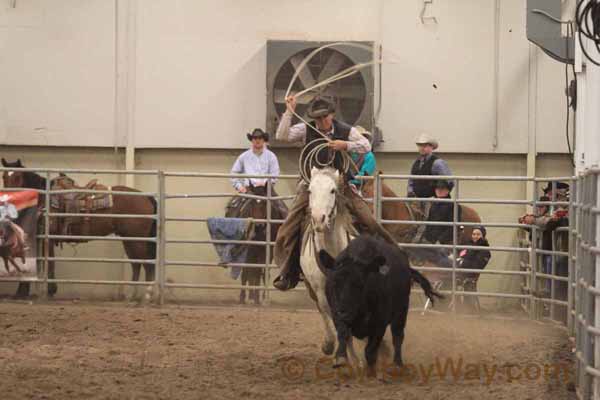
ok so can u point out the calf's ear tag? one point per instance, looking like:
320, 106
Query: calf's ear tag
384, 269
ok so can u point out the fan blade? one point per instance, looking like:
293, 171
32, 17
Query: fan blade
305, 76
278, 97
333, 66
345, 92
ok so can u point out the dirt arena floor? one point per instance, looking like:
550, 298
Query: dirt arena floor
68, 350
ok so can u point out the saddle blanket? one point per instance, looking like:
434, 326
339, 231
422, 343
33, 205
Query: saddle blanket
230, 229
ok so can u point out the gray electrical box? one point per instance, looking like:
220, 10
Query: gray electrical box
546, 32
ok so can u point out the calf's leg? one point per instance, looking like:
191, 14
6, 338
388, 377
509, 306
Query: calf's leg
398, 325
343, 336
373, 347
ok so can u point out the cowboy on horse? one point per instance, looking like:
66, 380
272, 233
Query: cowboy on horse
258, 160
341, 137
12, 237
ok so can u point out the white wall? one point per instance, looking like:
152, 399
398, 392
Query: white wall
198, 71
57, 72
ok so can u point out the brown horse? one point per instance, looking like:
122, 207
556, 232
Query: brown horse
124, 227
257, 254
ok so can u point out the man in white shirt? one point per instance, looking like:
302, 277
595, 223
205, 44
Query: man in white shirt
343, 138
258, 160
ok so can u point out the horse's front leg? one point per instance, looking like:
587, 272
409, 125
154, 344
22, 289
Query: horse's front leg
135, 277
52, 287
329, 341
14, 263
244, 281
323, 306
6, 264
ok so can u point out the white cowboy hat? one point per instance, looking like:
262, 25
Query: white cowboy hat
426, 139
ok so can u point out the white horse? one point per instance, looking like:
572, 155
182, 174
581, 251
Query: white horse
330, 229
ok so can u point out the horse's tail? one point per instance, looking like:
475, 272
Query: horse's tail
425, 285
152, 245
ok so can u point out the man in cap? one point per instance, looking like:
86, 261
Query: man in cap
426, 164
554, 191
343, 138
441, 212
258, 160
548, 219
557, 191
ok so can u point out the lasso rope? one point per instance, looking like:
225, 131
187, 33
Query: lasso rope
311, 158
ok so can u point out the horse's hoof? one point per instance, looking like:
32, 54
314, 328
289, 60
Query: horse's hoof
327, 348
340, 362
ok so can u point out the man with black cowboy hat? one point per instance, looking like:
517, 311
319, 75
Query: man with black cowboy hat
258, 160
343, 138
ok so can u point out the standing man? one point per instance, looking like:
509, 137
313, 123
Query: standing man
426, 164
258, 160
343, 138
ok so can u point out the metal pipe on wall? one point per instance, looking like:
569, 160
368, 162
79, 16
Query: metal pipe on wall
125, 81
496, 74
532, 123
131, 90
124, 107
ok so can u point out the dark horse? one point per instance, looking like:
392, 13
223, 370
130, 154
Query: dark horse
257, 254
121, 204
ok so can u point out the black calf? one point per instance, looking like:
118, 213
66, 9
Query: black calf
368, 288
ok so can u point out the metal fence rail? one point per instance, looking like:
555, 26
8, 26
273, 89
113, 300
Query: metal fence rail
162, 219
585, 278
162, 262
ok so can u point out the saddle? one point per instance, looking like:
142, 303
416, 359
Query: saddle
78, 203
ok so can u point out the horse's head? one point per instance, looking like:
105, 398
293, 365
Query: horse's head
256, 209
323, 188
13, 179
